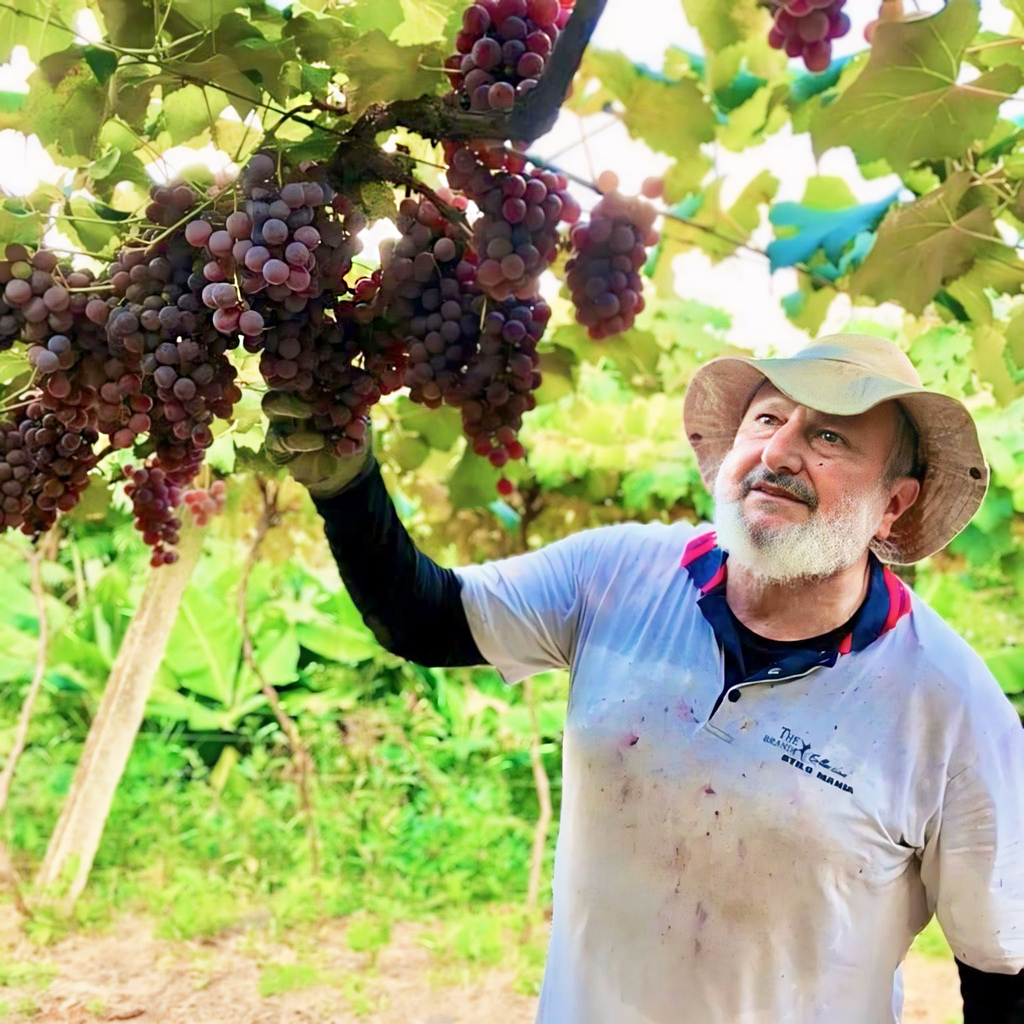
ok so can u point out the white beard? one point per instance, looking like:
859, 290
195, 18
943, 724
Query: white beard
816, 549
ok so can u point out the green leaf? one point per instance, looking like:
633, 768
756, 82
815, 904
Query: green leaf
205, 660
716, 231
988, 358
319, 37
722, 24
220, 76
18, 223
204, 14
129, 22
408, 451
829, 230
473, 481
66, 106
380, 70
186, 113
376, 199
98, 227
672, 117
440, 428
39, 37
907, 105
808, 306
102, 62
262, 60
996, 268
556, 368
748, 124
425, 21
931, 242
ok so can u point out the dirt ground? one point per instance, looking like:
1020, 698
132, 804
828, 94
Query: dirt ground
130, 975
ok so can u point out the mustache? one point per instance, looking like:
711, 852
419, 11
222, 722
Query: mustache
788, 484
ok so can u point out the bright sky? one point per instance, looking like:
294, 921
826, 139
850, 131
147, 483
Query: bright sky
742, 285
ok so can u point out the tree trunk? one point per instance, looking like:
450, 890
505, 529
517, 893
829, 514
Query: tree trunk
76, 838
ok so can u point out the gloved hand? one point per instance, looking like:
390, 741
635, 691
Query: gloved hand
291, 442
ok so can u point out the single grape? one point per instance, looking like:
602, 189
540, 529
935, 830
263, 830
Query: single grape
197, 233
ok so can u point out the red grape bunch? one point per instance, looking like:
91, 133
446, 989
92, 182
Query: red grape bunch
503, 49
156, 494
516, 236
430, 300
806, 28
204, 503
44, 467
604, 272
500, 380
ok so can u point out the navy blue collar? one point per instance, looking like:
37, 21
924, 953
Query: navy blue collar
887, 600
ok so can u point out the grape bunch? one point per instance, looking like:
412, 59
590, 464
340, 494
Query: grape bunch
503, 48
806, 28
516, 236
500, 379
289, 245
430, 300
44, 467
156, 494
206, 502
603, 274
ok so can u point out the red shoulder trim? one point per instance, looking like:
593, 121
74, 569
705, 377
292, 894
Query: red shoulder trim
700, 545
847, 645
714, 581
899, 599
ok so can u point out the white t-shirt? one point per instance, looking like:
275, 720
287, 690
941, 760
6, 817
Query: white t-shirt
770, 865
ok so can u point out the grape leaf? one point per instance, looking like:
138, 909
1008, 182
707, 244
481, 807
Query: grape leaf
472, 483
996, 267
128, 22
761, 115
923, 245
988, 358
722, 24
825, 192
204, 14
380, 70
42, 31
830, 230
720, 232
672, 117
319, 36
906, 105
66, 106
186, 111
19, 224
440, 428
219, 74
425, 21
807, 307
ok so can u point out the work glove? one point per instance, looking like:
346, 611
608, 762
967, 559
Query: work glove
293, 443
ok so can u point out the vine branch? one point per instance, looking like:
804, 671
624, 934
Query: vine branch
432, 118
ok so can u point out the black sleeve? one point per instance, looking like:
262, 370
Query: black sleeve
413, 606
991, 998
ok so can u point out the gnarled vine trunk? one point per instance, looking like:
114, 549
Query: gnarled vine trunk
77, 835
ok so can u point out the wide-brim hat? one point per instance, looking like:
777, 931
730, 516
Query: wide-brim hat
844, 375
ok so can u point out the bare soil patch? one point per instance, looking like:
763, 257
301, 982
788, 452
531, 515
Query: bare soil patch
129, 974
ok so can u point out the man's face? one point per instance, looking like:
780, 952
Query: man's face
801, 493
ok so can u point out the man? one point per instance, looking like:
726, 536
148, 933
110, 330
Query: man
778, 762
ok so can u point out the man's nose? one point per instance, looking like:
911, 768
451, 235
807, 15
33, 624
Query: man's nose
784, 451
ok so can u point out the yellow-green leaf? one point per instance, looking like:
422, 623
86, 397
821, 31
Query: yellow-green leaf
907, 105
380, 70
923, 245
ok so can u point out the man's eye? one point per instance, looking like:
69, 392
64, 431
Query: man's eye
831, 437
764, 417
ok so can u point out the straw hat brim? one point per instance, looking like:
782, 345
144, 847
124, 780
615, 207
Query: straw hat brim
955, 475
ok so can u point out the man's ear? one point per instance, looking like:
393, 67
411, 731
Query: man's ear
903, 494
